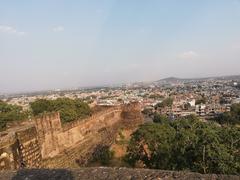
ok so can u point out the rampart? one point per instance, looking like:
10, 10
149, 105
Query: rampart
20, 148
46, 137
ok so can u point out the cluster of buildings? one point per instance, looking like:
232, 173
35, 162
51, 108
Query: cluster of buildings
203, 98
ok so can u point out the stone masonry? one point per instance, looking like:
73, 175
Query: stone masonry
45, 137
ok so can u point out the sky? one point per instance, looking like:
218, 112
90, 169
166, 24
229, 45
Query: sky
52, 44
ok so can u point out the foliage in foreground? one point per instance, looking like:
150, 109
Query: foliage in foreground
10, 113
69, 109
186, 144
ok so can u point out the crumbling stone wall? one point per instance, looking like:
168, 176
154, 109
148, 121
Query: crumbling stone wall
20, 149
55, 137
45, 137
131, 114
29, 148
48, 127
9, 157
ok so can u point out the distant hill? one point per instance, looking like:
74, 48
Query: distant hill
175, 80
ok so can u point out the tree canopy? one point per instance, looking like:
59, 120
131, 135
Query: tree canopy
69, 109
9, 113
165, 103
160, 118
186, 144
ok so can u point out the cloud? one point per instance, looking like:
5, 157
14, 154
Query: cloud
10, 30
188, 55
58, 29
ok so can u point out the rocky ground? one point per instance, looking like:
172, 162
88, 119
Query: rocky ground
101, 173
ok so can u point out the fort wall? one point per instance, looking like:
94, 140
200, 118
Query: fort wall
55, 140
28, 148
9, 158
20, 148
45, 137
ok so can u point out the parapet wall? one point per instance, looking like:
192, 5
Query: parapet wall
109, 174
45, 137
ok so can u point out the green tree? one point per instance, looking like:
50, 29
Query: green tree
69, 109
232, 117
41, 105
151, 144
186, 144
168, 102
230, 136
211, 155
10, 113
159, 118
82, 109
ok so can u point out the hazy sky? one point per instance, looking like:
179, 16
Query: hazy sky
47, 44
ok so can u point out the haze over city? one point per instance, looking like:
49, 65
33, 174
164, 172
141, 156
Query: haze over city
120, 89
63, 44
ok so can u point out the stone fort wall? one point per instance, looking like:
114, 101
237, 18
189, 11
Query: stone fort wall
55, 137
20, 149
46, 137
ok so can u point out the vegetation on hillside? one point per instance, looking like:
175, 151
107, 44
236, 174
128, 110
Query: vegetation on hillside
10, 113
69, 109
187, 144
